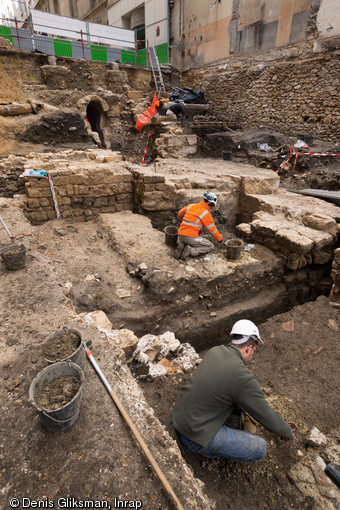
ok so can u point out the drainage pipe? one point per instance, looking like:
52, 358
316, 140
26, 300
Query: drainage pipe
135, 432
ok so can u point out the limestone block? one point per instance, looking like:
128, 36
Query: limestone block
185, 151
77, 179
265, 228
252, 185
55, 76
169, 367
70, 191
294, 241
337, 255
316, 438
244, 230
45, 202
335, 276
322, 222
191, 139
169, 343
100, 319
100, 202
175, 141
149, 345
249, 204
40, 216
32, 192
296, 261
322, 256
320, 239
33, 203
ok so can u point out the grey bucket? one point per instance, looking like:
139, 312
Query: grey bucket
171, 234
78, 356
64, 417
234, 247
14, 256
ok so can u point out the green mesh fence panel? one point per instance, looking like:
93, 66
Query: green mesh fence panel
62, 48
5, 32
99, 53
142, 60
162, 52
128, 57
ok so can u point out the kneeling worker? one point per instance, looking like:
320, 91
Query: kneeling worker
194, 217
221, 384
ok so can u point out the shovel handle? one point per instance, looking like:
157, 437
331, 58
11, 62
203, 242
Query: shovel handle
8, 232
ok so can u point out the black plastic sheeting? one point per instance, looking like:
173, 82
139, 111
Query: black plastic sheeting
187, 95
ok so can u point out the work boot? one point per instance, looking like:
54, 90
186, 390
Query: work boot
179, 250
186, 252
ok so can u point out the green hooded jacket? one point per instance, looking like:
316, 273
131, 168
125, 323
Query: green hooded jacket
220, 382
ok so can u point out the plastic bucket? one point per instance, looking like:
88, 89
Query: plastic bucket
14, 256
234, 247
171, 234
227, 155
64, 417
78, 356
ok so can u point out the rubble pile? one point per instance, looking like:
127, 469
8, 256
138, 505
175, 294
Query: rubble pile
153, 356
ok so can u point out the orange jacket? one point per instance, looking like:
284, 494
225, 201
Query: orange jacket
194, 217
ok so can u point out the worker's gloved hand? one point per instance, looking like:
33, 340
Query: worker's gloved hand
221, 241
248, 425
293, 427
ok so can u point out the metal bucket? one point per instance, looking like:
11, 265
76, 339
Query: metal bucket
234, 247
227, 155
78, 356
64, 417
171, 234
14, 256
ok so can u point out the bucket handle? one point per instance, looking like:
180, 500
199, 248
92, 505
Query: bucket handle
59, 421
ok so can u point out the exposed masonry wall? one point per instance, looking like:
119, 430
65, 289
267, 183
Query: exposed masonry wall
292, 91
335, 294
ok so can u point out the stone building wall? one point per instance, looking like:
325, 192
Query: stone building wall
291, 91
335, 294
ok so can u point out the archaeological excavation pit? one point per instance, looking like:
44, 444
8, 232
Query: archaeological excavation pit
107, 255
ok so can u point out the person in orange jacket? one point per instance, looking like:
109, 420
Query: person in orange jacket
194, 217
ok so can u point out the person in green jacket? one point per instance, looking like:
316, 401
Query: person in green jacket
221, 384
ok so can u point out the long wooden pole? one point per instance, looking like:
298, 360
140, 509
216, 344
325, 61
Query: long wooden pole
135, 432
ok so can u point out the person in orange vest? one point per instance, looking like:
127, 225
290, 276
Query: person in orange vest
194, 217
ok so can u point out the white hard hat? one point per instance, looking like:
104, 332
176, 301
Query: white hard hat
210, 198
247, 329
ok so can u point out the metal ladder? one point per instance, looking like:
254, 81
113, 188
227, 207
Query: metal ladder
156, 71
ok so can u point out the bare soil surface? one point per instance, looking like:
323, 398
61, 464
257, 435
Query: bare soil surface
97, 458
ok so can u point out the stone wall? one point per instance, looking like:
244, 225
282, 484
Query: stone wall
83, 189
291, 91
335, 294
10, 181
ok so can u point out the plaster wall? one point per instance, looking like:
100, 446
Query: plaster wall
328, 19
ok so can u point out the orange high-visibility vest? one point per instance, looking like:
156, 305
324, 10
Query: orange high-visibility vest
194, 217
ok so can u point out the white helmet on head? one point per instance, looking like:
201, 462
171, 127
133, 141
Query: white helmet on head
246, 329
210, 198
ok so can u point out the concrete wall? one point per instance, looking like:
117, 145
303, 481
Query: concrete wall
203, 31
155, 13
328, 19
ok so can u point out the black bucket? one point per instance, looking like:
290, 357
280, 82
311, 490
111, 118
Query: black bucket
234, 247
64, 417
309, 139
227, 155
171, 234
14, 256
78, 356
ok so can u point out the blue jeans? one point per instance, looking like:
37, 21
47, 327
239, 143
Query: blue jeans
231, 443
